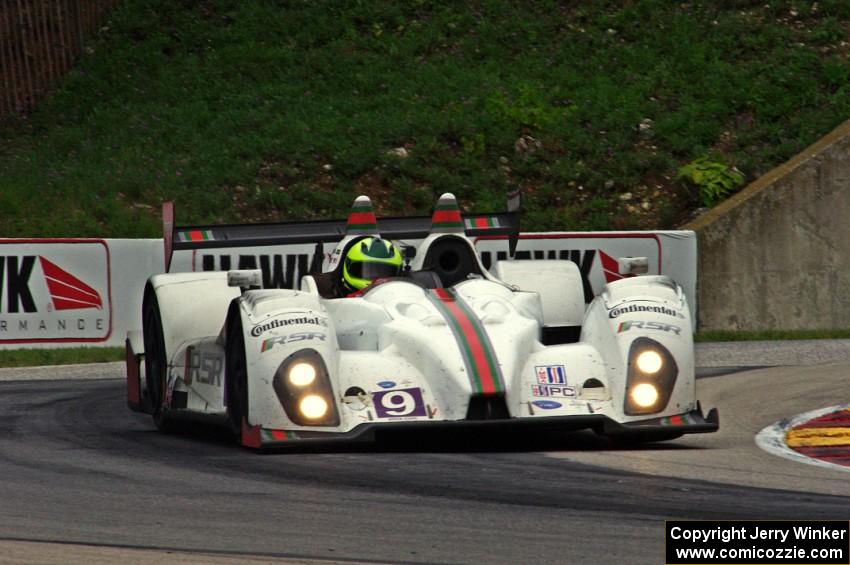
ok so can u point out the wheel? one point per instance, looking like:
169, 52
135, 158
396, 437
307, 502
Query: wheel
155, 362
235, 373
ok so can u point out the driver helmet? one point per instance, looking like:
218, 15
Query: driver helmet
369, 259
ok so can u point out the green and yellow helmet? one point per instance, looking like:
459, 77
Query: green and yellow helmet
369, 259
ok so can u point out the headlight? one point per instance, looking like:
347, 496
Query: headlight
649, 362
313, 406
651, 377
303, 387
302, 374
644, 395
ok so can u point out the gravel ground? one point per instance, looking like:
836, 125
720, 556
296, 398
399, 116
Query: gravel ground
773, 353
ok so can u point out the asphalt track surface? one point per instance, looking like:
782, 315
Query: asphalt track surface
82, 472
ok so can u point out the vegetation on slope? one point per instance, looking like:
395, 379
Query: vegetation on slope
245, 111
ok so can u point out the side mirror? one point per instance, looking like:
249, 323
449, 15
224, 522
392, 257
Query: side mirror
246, 279
408, 252
633, 265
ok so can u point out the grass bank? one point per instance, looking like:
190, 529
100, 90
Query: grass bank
770, 335
265, 110
37, 357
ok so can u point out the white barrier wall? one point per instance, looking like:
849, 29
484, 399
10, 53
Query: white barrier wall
72, 292
88, 292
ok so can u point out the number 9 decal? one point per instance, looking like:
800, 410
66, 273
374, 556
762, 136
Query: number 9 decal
399, 403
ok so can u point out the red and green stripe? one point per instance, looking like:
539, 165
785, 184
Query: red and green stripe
446, 217
479, 357
446, 214
678, 420
195, 235
276, 435
482, 222
362, 218
257, 437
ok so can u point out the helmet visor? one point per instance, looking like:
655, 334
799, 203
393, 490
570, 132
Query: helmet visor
372, 271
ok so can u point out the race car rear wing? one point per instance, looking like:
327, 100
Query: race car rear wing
178, 238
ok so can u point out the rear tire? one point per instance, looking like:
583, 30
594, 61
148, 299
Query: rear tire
235, 372
155, 362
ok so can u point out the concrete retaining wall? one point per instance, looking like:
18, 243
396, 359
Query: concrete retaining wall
777, 254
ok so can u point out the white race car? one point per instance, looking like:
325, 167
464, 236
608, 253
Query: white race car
447, 343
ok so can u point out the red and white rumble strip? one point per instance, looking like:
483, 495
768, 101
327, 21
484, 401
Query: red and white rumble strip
816, 438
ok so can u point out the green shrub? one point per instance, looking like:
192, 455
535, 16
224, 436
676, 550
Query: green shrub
714, 179
527, 107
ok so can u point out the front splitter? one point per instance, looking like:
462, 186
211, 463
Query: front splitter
668, 427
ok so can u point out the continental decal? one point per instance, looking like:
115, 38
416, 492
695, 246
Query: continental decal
637, 308
259, 330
